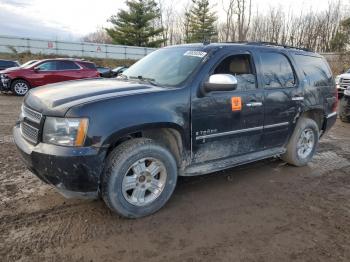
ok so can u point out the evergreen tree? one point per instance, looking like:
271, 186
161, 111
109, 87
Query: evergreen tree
341, 40
201, 22
137, 26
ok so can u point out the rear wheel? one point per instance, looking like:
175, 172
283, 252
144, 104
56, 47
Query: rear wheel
20, 87
139, 178
303, 143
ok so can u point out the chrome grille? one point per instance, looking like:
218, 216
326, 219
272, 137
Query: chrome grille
344, 82
31, 114
29, 132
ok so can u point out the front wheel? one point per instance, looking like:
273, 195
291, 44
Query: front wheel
139, 178
20, 87
303, 143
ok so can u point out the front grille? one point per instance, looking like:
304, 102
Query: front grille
29, 132
31, 114
30, 124
344, 82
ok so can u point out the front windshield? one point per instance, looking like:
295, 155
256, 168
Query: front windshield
168, 66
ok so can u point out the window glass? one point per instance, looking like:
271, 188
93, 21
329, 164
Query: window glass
88, 65
167, 66
277, 71
239, 66
315, 70
8, 64
48, 66
67, 65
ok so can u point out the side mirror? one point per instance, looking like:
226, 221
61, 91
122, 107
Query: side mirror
36, 69
220, 82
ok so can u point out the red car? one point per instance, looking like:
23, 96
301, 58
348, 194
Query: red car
19, 80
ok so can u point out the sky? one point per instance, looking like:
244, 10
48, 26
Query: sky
72, 19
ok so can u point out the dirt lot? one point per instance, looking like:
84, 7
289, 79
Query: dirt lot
267, 211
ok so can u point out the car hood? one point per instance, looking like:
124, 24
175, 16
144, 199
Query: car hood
346, 75
56, 99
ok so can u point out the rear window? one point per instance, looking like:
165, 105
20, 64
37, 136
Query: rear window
315, 69
67, 65
277, 71
88, 65
8, 64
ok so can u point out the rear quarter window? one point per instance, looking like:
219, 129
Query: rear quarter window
88, 65
315, 70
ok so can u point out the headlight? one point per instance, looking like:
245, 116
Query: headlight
65, 131
337, 80
347, 91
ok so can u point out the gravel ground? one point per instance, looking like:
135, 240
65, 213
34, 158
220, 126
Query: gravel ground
266, 211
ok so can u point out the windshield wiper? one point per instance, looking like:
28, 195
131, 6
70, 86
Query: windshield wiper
145, 79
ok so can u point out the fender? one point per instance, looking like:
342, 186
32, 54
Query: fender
111, 119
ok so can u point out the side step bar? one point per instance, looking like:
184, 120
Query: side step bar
217, 165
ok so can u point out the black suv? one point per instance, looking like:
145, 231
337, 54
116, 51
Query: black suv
180, 111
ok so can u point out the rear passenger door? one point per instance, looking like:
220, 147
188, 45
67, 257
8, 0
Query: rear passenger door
68, 70
283, 96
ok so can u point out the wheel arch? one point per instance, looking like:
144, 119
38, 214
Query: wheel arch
171, 135
316, 114
20, 78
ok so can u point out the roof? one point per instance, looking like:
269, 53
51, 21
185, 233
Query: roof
256, 45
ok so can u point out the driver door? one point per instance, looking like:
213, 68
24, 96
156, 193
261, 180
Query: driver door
46, 73
221, 127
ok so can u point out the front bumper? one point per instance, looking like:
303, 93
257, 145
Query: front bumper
75, 172
4, 83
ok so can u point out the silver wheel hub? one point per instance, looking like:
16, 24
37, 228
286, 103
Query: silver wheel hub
144, 181
21, 88
306, 143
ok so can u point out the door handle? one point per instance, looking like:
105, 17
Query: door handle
254, 104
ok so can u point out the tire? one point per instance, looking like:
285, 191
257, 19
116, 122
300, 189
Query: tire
343, 114
119, 175
20, 87
294, 155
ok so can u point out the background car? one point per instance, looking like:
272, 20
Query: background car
19, 80
344, 106
118, 70
28, 63
4, 64
343, 82
104, 71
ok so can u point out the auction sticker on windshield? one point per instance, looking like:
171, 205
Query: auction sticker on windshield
195, 53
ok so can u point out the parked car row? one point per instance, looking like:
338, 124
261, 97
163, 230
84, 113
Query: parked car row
18, 79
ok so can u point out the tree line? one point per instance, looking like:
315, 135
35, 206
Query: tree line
151, 23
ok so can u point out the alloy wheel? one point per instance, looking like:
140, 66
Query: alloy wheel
306, 143
144, 181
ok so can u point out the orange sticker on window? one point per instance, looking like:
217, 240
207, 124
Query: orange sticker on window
236, 103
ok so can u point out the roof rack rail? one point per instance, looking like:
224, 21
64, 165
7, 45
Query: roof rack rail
262, 43
280, 45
